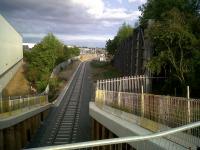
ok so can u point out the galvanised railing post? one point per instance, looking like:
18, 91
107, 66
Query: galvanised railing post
28, 102
9, 106
142, 101
21, 103
188, 104
1, 105
104, 92
119, 93
97, 91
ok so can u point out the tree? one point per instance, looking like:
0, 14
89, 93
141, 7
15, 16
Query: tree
111, 46
43, 57
174, 46
155, 9
123, 33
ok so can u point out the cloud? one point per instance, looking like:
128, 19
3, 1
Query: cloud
72, 37
120, 1
83, 19
98, 10
137, 1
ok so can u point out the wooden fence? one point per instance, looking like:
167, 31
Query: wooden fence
133, 53
11, 107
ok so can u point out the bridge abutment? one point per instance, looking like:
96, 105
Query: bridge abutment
17, 132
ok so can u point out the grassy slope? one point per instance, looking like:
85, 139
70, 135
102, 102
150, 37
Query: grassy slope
18, 85
103, 70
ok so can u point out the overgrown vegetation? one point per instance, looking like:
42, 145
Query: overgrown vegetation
176, 41
175, 35
124, 32
103, 70
43, 57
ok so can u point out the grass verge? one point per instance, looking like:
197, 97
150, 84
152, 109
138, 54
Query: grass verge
58, 82
103, 70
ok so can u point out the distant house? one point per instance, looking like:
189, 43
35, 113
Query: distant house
28, 46
11, 52
102, 57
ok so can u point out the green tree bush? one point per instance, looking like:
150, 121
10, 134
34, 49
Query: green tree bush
43, 57
124, 32
176, 41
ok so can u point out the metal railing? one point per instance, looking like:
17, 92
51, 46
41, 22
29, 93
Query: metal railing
153, 112
10, 107
138, 142
131, 84
166, 110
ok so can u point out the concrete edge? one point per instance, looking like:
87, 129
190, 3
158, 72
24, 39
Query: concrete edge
62, 94
8, 122
125, 127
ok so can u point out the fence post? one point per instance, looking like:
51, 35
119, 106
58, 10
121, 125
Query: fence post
113, 88
9, 105
104, 91
119, 93
20, 102
28, 102
133, 84
188, 103
1, 93
130, 86
142, 101
96, 93
147, 82
137, 84
1, 105
188, 92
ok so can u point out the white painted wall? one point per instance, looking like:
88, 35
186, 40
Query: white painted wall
10, 46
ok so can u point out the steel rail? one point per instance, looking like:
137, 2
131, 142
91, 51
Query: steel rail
65, 106
119, 140
78, 105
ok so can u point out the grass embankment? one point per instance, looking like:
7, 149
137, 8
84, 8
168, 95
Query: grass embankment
59, 81
103, 70
100, 71
18, 85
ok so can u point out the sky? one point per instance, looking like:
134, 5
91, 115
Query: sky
75, 22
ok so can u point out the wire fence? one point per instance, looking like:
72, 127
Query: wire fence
154, 112
9, 107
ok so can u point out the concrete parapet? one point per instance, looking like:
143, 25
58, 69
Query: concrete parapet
122, 125
16, 132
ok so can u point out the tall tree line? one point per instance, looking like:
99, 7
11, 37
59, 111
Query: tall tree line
43, 57
175, 35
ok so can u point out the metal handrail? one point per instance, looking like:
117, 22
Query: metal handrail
119, 140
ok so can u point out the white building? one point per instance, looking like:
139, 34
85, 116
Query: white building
11, 52
102, 57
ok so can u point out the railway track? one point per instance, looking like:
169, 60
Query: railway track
65, 129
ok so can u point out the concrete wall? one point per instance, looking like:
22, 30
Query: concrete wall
11, 51
124, 124
16, 132
10, 46
6, 77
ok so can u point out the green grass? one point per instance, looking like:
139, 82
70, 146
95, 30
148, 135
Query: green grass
104, 70
98, 64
